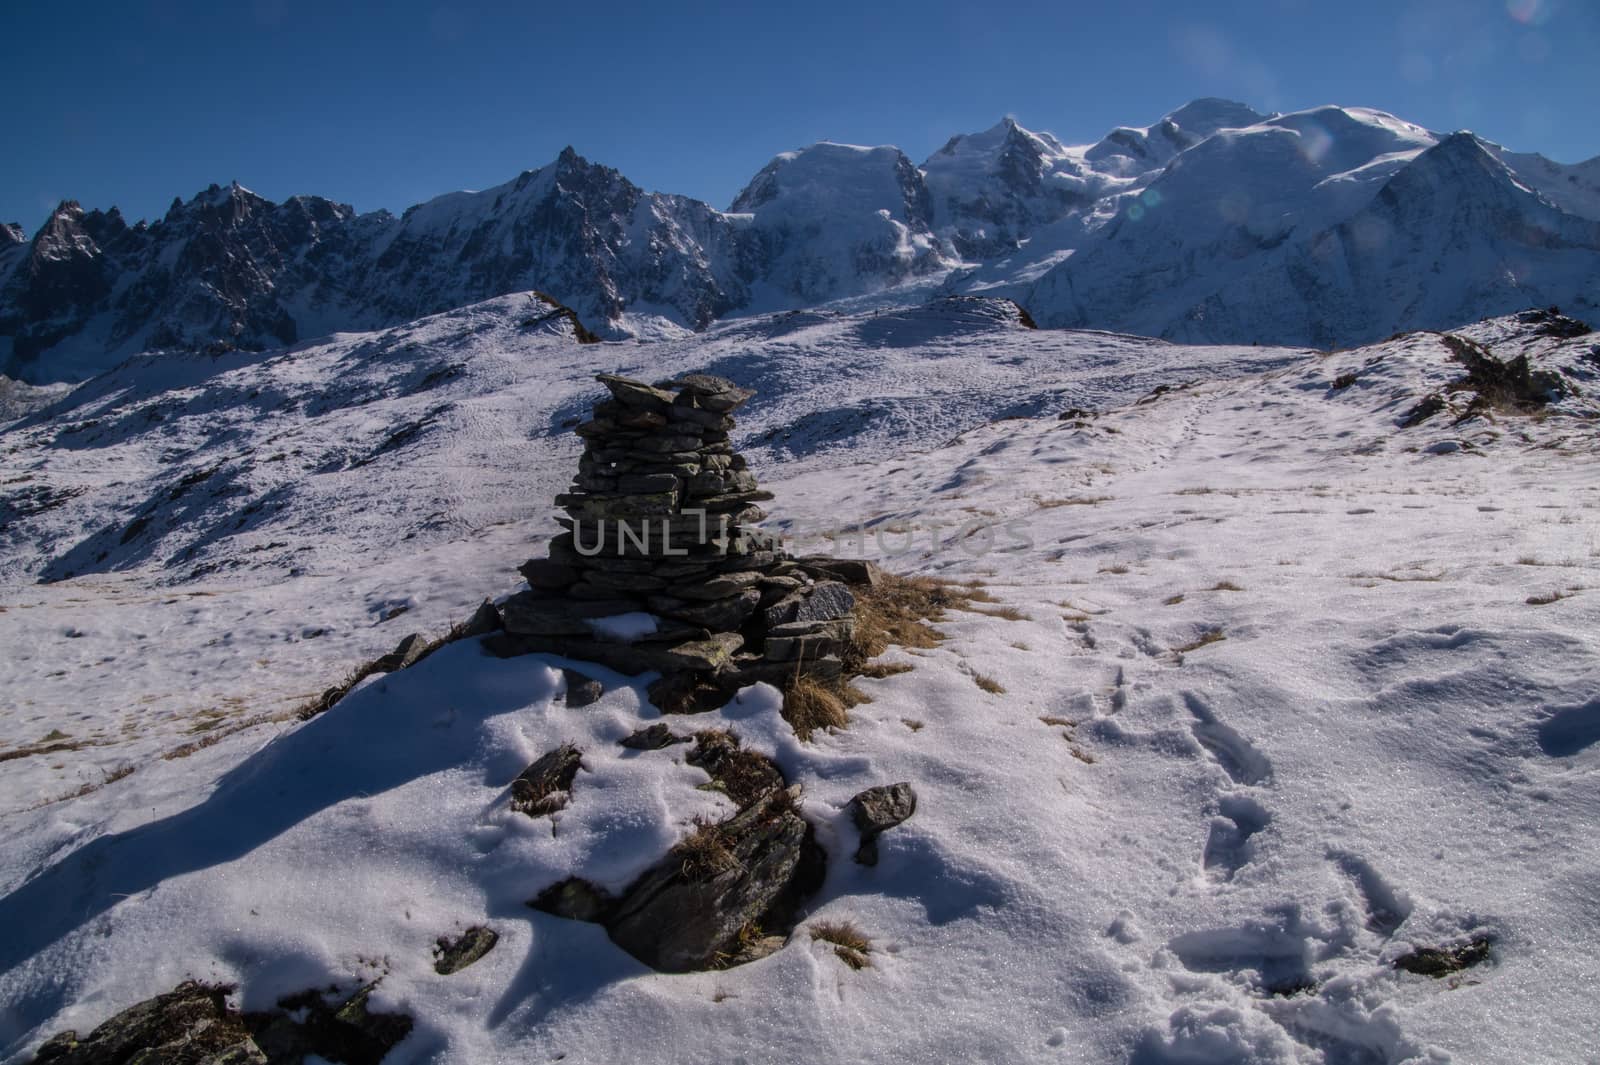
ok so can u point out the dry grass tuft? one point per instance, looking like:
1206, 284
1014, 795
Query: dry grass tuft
1008, 613
988, 684
879, 670
1065, 722
1554, 596
1118, 568
1224, 586
1207, 637
811, 703
912, 723
1172, 600
1072, 501
704, 852
850, 944
898, 611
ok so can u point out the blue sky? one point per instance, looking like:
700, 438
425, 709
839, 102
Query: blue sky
135, 102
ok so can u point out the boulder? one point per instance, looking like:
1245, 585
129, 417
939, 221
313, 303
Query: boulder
877, 810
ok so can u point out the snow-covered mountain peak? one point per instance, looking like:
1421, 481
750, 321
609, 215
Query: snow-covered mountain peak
1153, 224
831, 176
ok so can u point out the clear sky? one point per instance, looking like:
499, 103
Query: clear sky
134, 102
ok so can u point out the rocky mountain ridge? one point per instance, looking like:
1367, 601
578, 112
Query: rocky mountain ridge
1216, 224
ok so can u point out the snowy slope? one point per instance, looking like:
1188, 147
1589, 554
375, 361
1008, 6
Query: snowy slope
1210, 852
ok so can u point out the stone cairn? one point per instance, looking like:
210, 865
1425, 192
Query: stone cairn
659, 522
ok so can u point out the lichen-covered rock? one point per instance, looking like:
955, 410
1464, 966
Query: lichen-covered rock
453, 955
189, 1025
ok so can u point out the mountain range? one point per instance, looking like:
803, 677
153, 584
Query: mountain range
1217, 224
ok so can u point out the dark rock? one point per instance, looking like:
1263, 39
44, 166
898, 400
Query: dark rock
877, 810
648, 483
636, 394
653, 738
718, 587
686, 693
712, 393
456, 954
405, 653
717, 615
575, 900
676, 921
484, 620
581, 690
189, 1025
1437, 962
346, 1032
545, 573
525, 614
545, 786
706, 655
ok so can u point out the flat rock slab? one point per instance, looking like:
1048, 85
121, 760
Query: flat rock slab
633, 393
850, 570
706, 655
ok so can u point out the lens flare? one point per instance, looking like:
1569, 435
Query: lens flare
1528, 12
1314, 142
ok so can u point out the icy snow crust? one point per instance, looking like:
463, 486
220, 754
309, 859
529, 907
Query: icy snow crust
1216, 860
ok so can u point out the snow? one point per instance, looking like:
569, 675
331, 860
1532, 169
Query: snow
624, 628
1217, 859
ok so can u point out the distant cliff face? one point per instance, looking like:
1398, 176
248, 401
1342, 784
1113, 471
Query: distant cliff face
1330, 226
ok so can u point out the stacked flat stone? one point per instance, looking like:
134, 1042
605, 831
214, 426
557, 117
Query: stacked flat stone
659, 520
